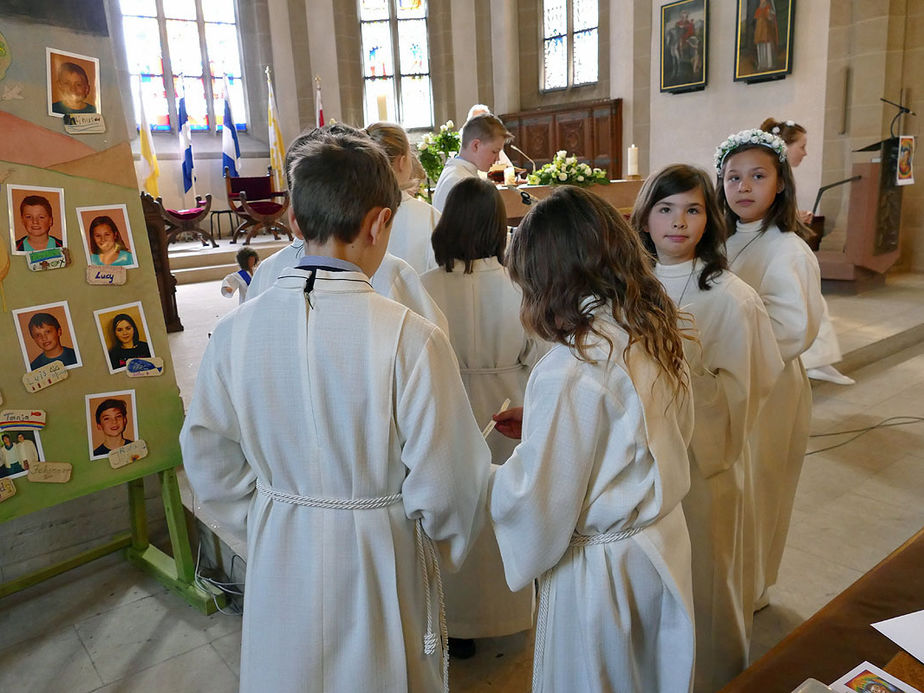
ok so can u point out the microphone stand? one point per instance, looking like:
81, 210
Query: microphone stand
520, 151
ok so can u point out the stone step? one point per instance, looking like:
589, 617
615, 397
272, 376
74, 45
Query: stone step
192, 262
208, 273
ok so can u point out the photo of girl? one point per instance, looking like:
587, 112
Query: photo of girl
107, 235
36, 218
123, 334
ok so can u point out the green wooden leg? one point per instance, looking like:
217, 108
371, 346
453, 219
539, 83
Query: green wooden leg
177, 572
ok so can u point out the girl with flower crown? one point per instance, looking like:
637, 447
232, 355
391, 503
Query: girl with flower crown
757, 194
733, 368
589, 501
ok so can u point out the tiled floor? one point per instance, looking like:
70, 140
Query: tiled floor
107, 627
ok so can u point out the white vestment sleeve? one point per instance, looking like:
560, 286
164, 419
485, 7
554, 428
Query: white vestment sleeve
211, 446
537, 496
791, 292
742, 364
447, 459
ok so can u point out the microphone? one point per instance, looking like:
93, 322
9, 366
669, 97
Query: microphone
520, 151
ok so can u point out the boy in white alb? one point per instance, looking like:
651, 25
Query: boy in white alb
483, 139
341, 463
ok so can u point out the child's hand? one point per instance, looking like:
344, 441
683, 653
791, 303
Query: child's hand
510, 422
805, 216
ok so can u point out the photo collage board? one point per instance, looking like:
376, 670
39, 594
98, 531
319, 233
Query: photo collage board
69, 390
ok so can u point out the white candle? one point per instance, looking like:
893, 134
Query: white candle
632, 161
383, 107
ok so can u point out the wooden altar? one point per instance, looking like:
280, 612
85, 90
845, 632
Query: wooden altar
619, 193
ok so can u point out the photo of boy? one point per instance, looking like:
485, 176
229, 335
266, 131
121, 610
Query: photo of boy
111, 422
19, 449
36, 218
46, 335
107, 236
73, 86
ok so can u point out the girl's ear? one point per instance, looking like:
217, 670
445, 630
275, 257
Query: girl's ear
780, 185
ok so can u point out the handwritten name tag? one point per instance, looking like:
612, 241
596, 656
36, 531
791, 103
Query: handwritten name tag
127, 454
22, 418
144, 367
105, 275
45, 376
7, 489
50, 472
53, 258
84, 123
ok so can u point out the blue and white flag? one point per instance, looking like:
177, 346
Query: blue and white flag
230, 147
186, 146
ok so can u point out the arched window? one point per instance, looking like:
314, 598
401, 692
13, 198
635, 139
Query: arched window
193, 42
569, 43
396, 83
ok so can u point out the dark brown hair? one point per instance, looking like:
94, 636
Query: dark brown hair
484, 127
783, 212
473, 225
36, 201
572, 247
680, 178
104, 220
786, 132
335, 180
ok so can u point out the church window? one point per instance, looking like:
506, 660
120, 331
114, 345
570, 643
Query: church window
396, 82
190, 45
569, 43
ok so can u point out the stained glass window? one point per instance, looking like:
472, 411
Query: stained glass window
196, 71
569, 50
396, 62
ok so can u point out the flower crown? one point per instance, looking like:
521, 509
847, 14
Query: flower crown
754, 136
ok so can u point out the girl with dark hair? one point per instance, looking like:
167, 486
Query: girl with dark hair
825, 350
758, 196
733, 367
127, 343
495, 355
589, 502
106, 244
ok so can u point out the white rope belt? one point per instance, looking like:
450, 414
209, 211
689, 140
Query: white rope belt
423, 545
604, 537
490, 371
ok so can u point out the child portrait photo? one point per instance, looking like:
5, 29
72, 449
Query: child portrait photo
18, 449
36, 218
73, 83
123, 332
107, 237
46, 334
111, 422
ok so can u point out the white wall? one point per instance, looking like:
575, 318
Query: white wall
464, 58
688, 127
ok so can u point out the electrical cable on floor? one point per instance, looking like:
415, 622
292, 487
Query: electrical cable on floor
227, 588
885, 423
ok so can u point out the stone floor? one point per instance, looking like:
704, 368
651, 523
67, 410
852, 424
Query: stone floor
107, 627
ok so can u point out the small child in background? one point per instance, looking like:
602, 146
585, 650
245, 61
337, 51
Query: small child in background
589, 502
483, 139
733, 368
495, 354
757, 194
247, 259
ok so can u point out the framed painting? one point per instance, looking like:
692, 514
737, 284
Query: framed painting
684, 45
763, 47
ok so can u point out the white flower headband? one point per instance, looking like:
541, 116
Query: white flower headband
776, 128
754, 136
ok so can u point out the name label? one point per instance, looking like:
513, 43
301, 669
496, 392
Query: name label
143, 367
46, 376
125, 455
84, 123
50, 472
22, 418
49, 259
105, 275
7, 489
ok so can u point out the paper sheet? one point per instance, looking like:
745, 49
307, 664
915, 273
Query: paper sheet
905, 631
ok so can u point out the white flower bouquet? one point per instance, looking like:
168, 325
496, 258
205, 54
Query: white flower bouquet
566, 170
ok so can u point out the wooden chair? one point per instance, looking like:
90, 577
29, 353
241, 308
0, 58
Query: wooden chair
187, 220
253, 200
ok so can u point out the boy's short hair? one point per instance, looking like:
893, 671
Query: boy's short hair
243, 255
73, 68
40, 319
311, 134
111, 404
36, 201
335, 180
484, 127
